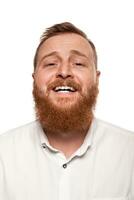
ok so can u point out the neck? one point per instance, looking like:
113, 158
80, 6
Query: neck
67, 142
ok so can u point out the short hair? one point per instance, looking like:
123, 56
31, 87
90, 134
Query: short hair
58, 29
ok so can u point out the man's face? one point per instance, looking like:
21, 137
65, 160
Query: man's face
65, 71
66, 56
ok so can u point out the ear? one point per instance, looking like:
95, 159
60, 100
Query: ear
98, 73
33, 75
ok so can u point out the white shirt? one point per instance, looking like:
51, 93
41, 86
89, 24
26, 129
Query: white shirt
101, 169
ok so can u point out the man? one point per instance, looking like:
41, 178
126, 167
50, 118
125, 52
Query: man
66, 154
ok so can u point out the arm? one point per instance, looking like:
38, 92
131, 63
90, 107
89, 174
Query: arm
1, 180
3, 194
132, 185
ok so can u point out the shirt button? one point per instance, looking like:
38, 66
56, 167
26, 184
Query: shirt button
44, 145
65, 166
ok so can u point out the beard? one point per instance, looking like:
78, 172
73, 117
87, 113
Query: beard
68, 117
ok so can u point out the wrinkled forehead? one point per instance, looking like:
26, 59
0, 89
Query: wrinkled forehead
66, 44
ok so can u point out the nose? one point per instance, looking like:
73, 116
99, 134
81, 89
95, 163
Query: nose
64, 71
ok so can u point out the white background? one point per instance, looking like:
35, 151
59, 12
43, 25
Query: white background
109, 24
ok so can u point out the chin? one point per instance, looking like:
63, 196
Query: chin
63, 102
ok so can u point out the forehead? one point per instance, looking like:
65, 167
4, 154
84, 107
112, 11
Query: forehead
64, 44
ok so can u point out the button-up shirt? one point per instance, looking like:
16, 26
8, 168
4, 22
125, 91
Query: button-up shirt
101, 169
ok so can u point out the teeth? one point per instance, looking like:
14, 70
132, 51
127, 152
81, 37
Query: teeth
64, 88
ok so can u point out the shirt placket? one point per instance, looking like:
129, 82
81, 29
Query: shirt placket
64, 192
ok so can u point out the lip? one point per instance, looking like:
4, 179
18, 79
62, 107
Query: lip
64, 93
65, 88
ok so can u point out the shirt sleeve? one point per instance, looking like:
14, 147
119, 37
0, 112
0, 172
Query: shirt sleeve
132, 185
2, 191
1, 179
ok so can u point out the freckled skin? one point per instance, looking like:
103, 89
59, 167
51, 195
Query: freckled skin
66, 57
64, 62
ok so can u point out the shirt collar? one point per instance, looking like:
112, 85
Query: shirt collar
88, 141
44, 140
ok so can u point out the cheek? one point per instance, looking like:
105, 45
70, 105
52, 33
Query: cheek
87, 80
42, 79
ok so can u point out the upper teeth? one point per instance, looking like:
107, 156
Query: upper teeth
60, 88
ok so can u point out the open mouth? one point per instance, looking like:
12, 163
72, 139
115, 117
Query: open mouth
64, 89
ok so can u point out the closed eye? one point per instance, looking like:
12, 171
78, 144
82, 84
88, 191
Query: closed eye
50, 64
79, 64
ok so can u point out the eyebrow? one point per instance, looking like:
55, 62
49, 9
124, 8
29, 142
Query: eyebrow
55, 53
76, 52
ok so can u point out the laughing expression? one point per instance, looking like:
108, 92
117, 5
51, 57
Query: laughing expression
65, 68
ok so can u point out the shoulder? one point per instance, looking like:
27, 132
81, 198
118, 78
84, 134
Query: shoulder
113, 134
20, 135
113, 129
19, 131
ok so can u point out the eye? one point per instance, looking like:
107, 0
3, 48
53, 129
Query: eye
79, 64
50, 64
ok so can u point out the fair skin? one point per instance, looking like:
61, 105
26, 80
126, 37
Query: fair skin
66, 56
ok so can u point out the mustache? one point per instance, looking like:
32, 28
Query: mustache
67, 82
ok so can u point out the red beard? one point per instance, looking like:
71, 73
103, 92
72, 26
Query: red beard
77, 116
